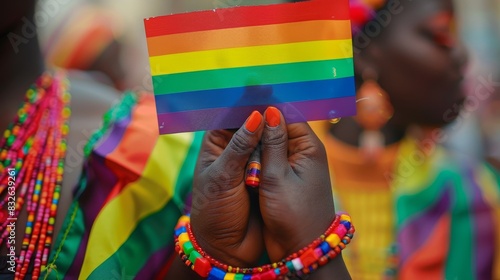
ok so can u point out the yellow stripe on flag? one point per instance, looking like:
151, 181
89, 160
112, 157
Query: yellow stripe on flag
118, 219
250, 56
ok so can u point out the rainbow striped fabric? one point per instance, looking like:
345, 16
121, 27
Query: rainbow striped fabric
134, 187
211, 72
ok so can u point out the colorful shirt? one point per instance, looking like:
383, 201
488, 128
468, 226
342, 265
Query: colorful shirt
420, 211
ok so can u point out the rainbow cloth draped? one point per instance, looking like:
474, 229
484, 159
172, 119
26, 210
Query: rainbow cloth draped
211, 69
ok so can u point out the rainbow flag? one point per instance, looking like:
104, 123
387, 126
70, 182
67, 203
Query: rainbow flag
211, 69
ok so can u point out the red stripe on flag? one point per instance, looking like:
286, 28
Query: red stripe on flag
247, 16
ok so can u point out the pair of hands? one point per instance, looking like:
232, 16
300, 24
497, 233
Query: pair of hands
292, 206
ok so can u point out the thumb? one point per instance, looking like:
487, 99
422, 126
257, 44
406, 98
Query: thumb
274, 141
234, 156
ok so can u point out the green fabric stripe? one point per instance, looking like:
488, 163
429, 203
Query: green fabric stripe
406, 208
62, 256
251, 76
153, 232
460, 263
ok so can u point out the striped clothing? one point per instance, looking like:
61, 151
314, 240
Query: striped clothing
420, 212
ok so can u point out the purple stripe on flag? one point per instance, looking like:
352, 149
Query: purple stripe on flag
234, 117
114, 137
101, 181
76, 266
418, 229
484, 235
155, 261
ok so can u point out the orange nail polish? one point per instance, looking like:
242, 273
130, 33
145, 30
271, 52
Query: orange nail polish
273, 116
253, 121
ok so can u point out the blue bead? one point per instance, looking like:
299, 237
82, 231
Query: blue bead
325, 247
346, 224
216, 274
277, 271
247, 277
180, 230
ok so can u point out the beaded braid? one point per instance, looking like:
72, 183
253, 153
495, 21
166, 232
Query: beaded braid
33, 152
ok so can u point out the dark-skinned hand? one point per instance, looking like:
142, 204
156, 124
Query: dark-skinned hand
295, 195
224, 219
292, 207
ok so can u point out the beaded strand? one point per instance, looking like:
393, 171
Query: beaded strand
34, 145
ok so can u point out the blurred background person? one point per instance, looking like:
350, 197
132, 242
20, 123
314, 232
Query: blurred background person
88, 37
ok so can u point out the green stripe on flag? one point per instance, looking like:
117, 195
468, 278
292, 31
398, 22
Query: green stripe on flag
67, 245
252, 76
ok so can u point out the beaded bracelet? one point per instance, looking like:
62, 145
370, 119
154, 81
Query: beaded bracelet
318, 253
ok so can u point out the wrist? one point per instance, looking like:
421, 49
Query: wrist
314, 229
334, 270
212, 250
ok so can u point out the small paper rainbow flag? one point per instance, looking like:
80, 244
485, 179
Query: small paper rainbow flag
211, 69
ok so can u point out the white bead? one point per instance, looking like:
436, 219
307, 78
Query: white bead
297, 264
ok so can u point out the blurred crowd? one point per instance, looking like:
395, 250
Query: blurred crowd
107, 38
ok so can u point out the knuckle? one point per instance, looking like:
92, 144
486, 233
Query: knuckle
240, 143
275, 138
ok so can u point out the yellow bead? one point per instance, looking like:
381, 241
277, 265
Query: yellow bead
183, 238
66, 112
30, 93
185, 219
66, 97
28, 230
230, 269
345, 218
65, 129
229, 276
333, 240
51, 220
56, 195
6, 134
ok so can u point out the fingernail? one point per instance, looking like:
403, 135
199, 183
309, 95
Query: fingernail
273, 117
253, 121
253, 174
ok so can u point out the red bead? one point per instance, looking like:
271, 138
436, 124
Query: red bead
308, 258
323, 260
332, 254
202, 267
268, 275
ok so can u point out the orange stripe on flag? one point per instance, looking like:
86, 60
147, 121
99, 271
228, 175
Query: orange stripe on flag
249, 36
